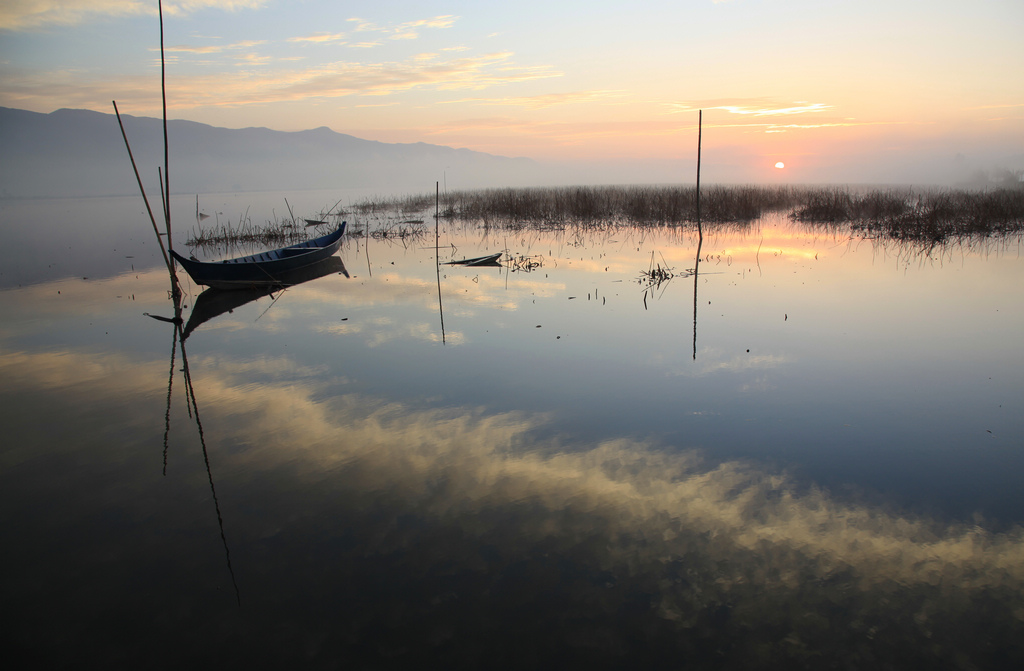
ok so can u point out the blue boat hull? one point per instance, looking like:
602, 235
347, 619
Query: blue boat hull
264, 269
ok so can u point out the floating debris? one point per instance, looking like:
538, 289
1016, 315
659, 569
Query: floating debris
524, 264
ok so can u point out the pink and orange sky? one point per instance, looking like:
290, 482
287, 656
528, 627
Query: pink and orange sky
867, 91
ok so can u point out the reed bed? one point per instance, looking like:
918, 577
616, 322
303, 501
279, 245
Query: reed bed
635, 205
278, 233
897, 214
416, 203
925, 216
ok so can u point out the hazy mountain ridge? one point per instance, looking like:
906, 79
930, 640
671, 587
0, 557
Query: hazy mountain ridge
81, 153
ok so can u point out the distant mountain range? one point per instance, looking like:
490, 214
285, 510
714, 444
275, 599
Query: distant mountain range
81, 153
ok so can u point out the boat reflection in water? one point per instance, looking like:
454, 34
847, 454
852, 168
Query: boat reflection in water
214, 302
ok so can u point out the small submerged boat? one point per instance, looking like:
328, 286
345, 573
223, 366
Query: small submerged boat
490, 260
263, 269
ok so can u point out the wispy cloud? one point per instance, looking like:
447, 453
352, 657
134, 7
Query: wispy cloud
750, 107
782, 128
30, 14
54, 89
348, 78
996, 107
320, 38
545, 100
211, 48
408, 30
766, 108
444, 21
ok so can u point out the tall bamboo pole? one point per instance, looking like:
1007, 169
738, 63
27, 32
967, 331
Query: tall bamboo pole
700, 117
163, 94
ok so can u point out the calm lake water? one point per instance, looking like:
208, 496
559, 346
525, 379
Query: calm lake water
810, 455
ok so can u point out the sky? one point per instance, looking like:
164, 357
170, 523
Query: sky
866, 91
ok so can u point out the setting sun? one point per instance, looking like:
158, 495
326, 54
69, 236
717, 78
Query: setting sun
780, 165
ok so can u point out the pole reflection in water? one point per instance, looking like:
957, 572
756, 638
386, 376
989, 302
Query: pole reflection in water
437, 264
700, 235
178, 340
209, 305
696, 268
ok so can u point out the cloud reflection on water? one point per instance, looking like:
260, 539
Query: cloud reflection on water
636, 487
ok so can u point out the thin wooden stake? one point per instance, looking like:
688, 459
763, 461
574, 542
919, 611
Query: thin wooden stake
700, 115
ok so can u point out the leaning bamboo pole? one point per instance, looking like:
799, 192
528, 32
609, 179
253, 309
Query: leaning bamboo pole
165, 182
152, 219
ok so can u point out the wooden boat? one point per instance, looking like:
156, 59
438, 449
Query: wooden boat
263, 269
489, 260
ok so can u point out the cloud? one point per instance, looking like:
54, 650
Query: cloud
750, 107
30, 14
211, 48
993, 107
347, 78
555, 133
766, 108
320, 38
713, 362
408, 30
69, 88
445, 21
545, 100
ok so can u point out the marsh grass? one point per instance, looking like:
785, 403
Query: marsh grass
411, 204
933, 216
915, 216
634, 205
245, 232
897, 213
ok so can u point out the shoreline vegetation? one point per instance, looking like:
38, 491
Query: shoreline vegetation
904, 214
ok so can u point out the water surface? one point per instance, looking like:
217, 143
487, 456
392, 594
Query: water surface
807, 455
